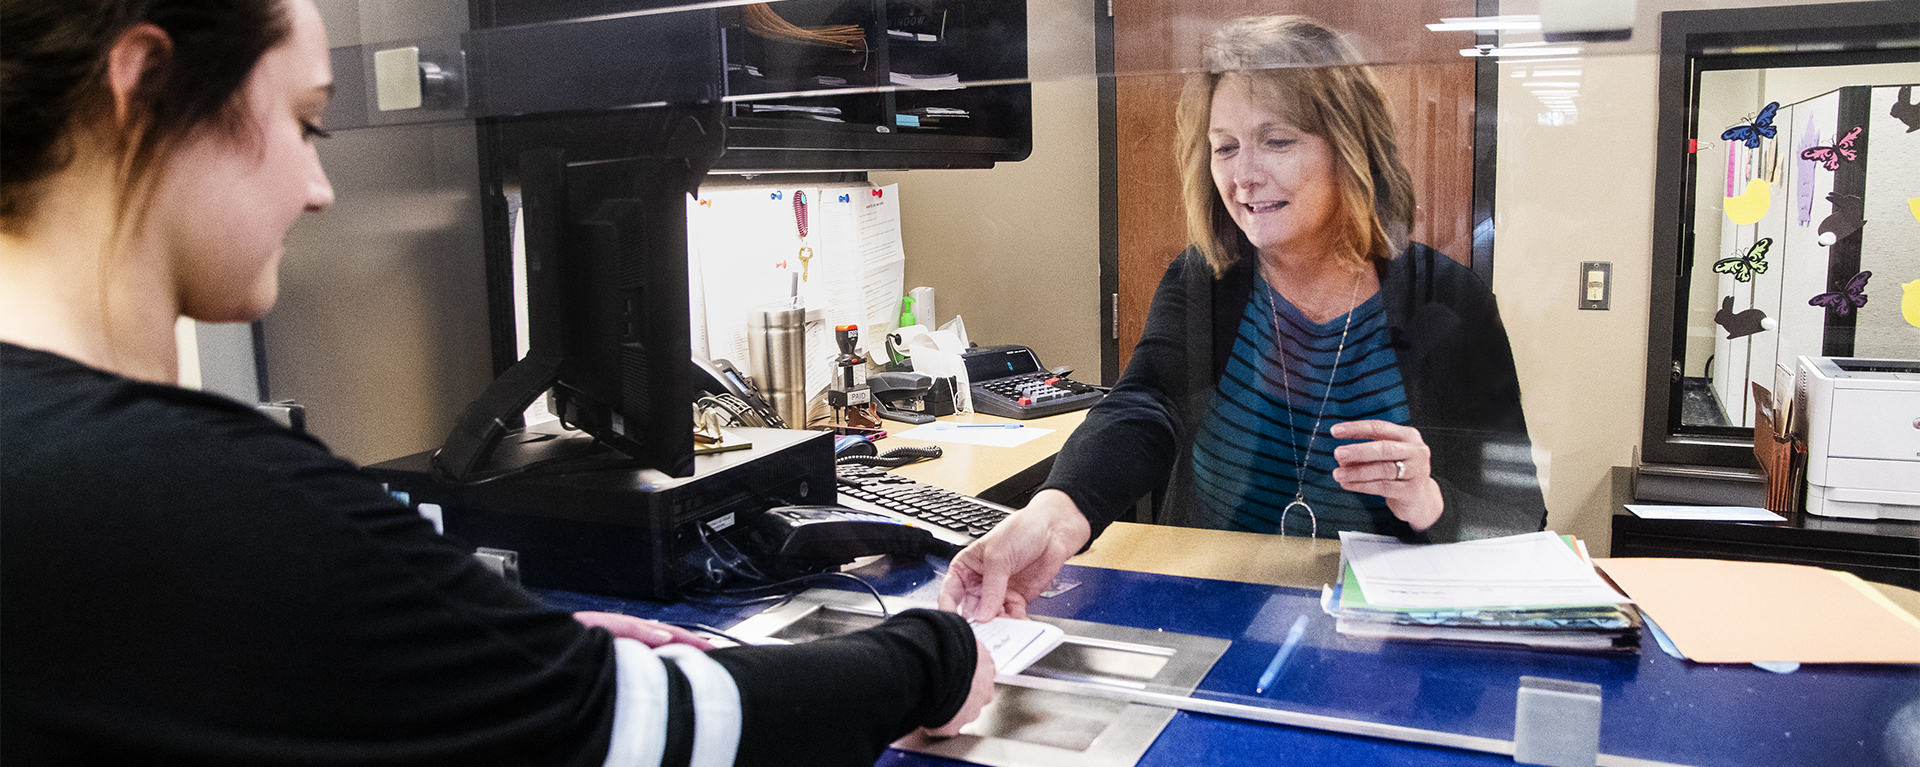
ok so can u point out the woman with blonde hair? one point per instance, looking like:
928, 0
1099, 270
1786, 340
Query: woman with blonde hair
186, 582
1305, 369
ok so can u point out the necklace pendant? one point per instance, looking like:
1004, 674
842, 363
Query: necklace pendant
1313, 523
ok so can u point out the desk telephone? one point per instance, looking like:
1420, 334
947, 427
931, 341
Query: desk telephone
797, 540
733, 394
1007, 381
786, 542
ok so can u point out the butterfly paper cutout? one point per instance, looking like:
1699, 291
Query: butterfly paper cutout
1751, 133
1829, 157
1849, 297
1743, 268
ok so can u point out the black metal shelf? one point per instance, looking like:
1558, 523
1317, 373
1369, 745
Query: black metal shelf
696, 62
1886, 550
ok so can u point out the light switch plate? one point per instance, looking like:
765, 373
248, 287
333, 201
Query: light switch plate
396, 74
1596, 284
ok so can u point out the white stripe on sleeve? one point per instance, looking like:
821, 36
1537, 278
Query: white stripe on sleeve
716, 706
639, 707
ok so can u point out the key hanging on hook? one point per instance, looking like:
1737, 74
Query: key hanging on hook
800, 225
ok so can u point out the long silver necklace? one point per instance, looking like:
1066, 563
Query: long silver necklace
1286, 390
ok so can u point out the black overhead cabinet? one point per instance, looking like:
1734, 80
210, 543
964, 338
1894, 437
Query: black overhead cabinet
818, 85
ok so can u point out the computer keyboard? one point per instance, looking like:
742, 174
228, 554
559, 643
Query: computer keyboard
954, 518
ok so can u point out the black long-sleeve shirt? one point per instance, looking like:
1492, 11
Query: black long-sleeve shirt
186, 582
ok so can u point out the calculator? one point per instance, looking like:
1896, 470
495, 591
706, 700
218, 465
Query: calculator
1008, 381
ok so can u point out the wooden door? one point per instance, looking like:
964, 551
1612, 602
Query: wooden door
1429, 86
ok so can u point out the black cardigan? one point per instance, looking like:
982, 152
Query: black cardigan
1462, 393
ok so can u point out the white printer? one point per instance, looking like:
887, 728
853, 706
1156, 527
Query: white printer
1861, 422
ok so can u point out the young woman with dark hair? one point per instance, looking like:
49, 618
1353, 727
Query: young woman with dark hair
185, 582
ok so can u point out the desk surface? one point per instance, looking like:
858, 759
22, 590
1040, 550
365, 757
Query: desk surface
1272, 560
1216, 555
993, 473
1655, 707
1248, 588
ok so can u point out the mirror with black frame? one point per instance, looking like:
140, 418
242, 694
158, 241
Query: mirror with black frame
1767, 197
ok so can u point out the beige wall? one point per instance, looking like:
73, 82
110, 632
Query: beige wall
1566, 194
1016, 250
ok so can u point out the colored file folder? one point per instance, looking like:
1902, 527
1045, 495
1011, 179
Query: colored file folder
1718, 611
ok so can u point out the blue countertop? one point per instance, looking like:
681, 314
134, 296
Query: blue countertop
1654, 706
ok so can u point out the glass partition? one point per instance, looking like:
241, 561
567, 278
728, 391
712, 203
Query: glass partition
1542, 165
1604, 192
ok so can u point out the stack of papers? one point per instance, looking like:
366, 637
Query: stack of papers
825, 114
1532, 590
944, 81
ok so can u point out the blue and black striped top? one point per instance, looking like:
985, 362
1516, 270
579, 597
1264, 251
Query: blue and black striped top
1245, 456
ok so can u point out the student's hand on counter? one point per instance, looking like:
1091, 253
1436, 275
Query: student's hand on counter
1009, 566
978, 696
1395, 463
646, 632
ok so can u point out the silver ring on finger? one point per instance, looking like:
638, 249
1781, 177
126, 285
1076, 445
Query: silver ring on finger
1399, 470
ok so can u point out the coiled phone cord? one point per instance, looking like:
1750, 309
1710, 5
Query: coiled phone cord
895, 458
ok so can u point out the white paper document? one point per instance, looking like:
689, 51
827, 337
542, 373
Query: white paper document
989, 435
1535, 569
746, 246
1717, 513
1015, 644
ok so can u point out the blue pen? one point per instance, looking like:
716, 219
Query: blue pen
1280, 658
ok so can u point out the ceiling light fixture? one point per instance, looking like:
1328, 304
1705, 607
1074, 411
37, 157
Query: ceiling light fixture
1486, 23
1509, 50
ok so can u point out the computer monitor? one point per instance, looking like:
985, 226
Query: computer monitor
608, 310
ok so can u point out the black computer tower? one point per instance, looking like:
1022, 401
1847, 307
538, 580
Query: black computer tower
623, 532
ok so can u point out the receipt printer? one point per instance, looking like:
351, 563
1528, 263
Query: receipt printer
1862, 428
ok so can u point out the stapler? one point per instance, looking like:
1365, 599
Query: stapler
902, 396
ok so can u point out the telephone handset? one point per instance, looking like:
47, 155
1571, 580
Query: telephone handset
720, 379
790, 541
785, 542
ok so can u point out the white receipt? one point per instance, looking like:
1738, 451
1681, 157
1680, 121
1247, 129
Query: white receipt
988, 435
1717, 513
1015, 644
